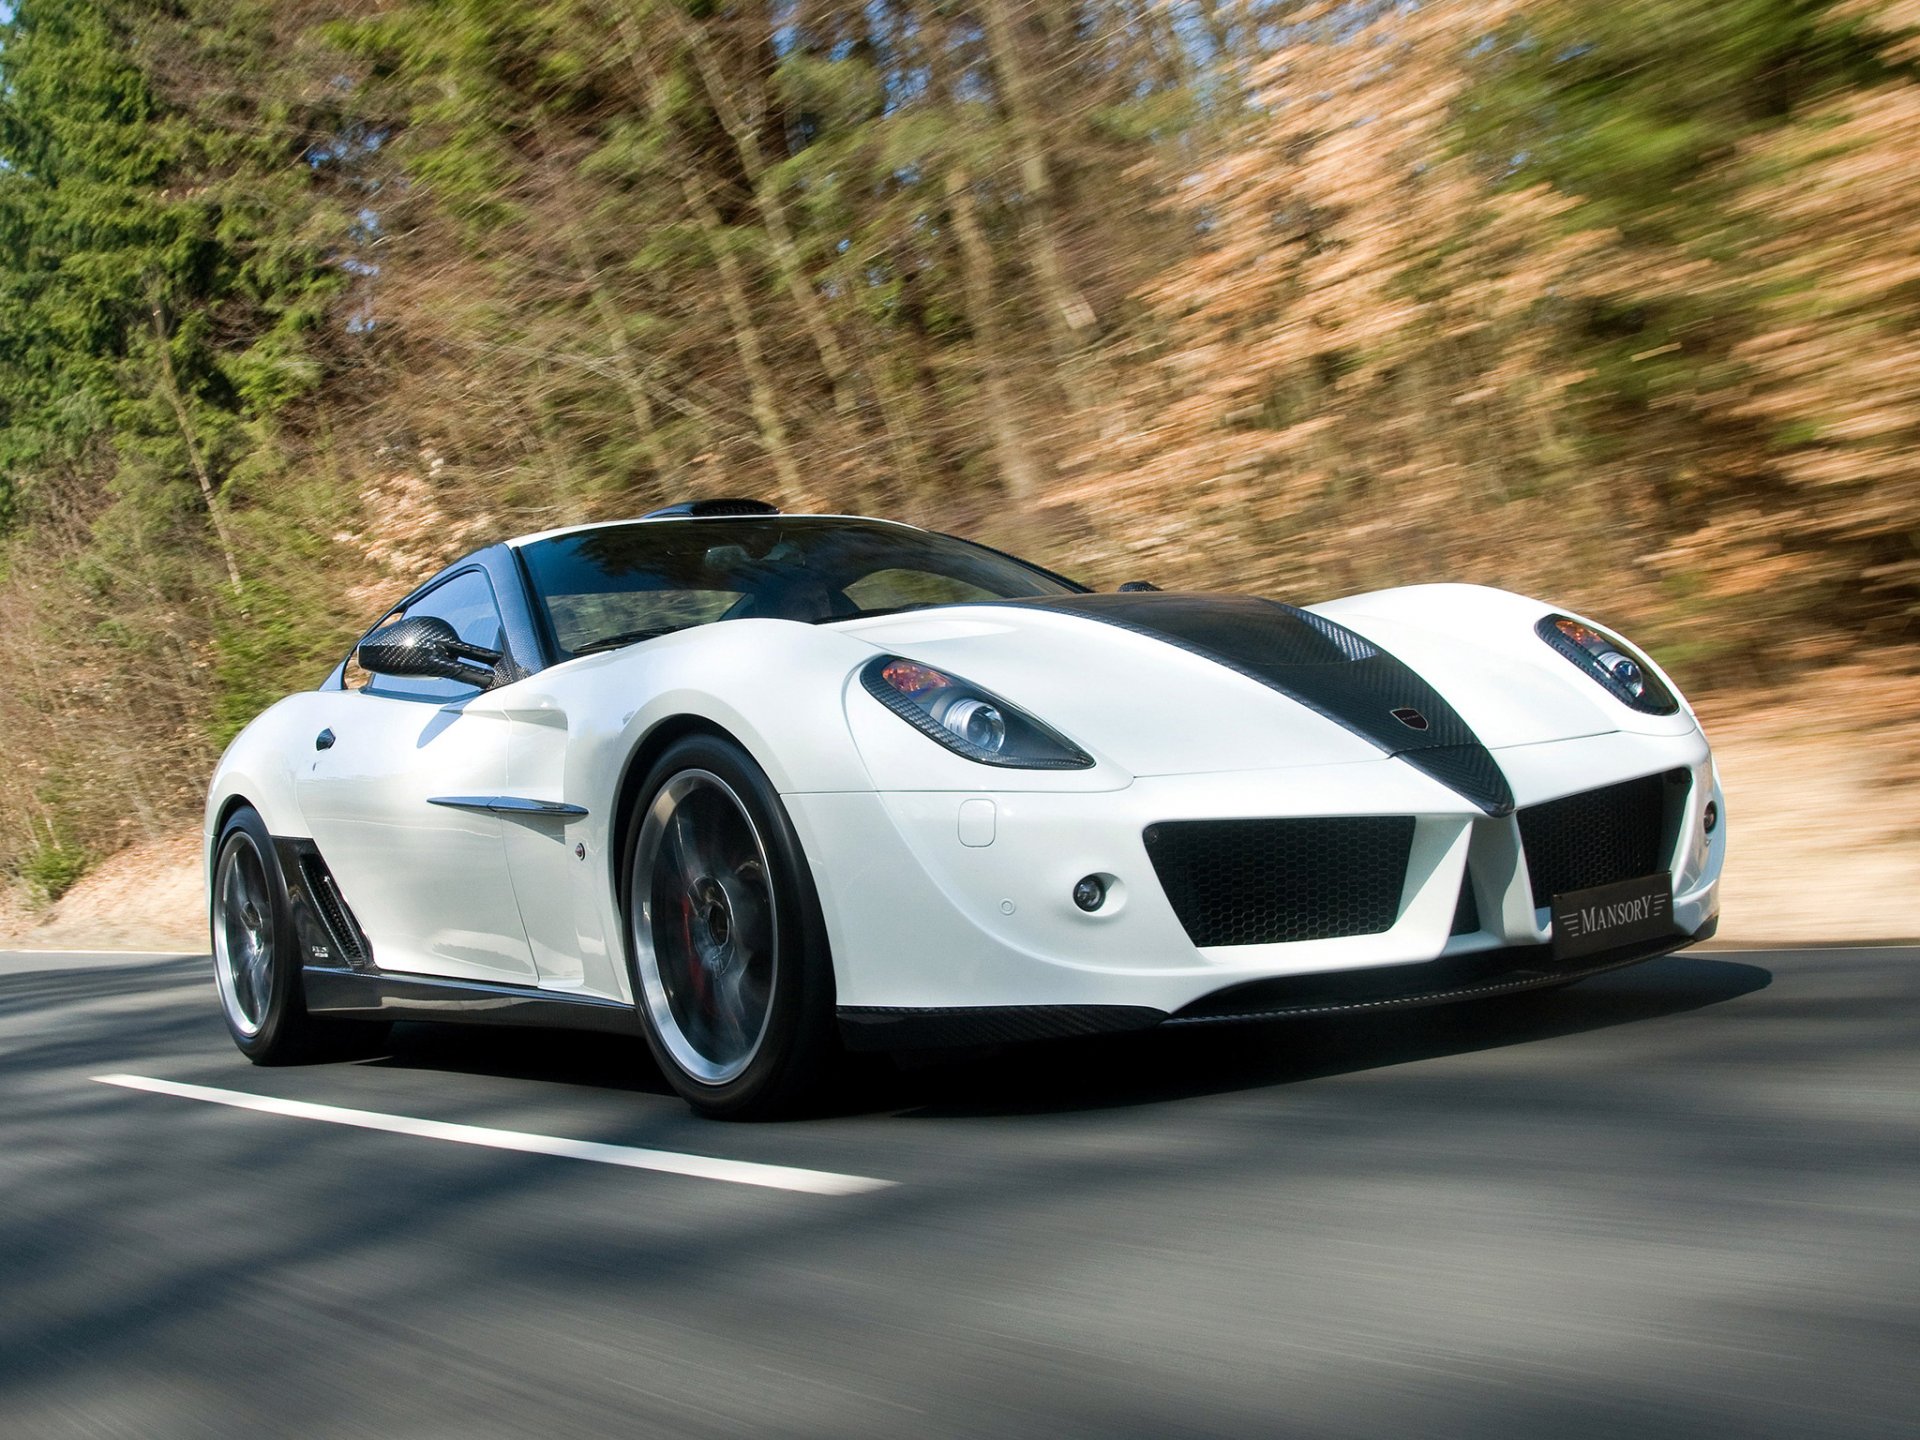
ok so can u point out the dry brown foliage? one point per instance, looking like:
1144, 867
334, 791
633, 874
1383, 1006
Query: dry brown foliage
1299, 341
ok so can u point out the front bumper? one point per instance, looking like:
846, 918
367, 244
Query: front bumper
939, 902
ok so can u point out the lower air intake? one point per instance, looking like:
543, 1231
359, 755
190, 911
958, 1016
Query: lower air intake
1268, 882
1597, 837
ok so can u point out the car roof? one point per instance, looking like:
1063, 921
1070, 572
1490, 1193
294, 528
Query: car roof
519, 540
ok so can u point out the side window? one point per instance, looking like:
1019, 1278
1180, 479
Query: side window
465, 602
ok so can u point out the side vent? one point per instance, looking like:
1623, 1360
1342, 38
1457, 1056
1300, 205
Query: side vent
333, 909
327, 931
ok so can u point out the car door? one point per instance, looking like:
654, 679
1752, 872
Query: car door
425, 876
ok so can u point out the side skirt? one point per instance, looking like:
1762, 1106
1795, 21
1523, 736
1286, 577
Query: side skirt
360, 995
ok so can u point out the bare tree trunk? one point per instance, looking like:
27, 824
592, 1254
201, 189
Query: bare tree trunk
746, 338
632, 382
170, 386
743, 131
1067, 310
1217, 16
1017, 467
762, 397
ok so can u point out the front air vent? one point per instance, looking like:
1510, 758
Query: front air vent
1270, 882
1598, 837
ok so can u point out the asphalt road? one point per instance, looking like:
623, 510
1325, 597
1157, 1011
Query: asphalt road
1679, 1200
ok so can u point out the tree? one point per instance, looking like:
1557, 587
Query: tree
163, 279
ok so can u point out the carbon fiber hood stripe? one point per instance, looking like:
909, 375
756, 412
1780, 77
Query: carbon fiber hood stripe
1319, 664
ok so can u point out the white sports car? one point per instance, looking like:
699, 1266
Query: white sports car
757, 787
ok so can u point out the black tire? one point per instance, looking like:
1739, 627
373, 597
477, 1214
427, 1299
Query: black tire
256, 957
726, 947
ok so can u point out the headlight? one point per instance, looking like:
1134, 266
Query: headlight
966, 719
1609, 660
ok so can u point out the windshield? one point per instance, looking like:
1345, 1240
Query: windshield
620, 584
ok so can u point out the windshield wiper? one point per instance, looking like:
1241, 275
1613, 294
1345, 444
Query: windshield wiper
623, 639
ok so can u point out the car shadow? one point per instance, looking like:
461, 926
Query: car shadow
1124, 1070
1188, 1061
558, 1057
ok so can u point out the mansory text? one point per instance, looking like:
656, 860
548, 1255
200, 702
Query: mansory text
758, 787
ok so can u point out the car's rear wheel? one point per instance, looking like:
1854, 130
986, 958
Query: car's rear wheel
730, 966
256, 962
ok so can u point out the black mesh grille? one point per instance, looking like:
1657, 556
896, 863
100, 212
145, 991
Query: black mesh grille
1595, 838
332, 908
1264, 882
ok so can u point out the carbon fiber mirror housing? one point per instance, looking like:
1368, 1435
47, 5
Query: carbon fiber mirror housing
426, 645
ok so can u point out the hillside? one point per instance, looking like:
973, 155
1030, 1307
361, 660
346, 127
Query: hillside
1614, 303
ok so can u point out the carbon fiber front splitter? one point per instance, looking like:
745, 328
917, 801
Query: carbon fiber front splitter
1348, 992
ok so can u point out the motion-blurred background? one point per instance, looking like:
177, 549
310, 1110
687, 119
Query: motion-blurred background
1609, 301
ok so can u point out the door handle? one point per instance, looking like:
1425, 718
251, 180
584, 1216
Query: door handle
324, 740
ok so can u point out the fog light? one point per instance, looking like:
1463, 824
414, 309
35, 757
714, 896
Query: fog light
1091, 893
1713, 816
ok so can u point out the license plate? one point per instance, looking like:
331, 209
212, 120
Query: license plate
1606, 916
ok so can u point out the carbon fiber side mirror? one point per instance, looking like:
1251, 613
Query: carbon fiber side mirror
427, 645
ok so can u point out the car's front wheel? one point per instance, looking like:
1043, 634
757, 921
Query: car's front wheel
730, 966
256, 964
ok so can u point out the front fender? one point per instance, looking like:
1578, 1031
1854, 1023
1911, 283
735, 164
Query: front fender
257, 767
774, 685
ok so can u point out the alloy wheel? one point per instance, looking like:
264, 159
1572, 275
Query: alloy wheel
705, 926
243, 935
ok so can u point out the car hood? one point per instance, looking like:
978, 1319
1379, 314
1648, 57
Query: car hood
1177, 684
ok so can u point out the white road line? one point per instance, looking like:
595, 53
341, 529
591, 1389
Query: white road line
108, 954
701, 1167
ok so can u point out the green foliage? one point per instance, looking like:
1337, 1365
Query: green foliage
135, 222
1635, 105
51, 869
1647, 115
1636, 108
168, 226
